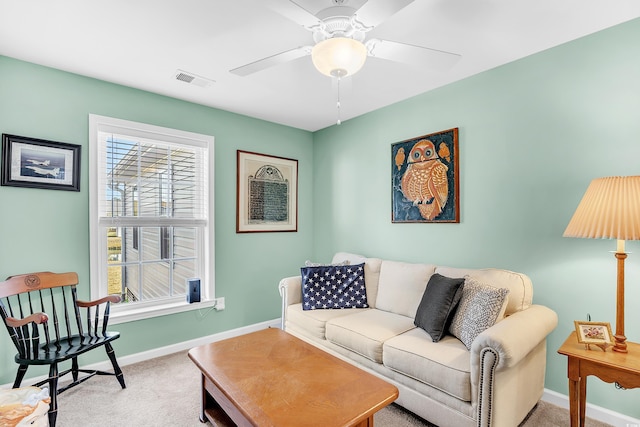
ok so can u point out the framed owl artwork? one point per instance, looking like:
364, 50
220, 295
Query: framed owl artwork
425, 184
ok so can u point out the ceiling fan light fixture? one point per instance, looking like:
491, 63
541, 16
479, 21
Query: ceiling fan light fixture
339, 56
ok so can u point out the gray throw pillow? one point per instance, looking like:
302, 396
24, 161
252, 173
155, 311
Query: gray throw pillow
438, 305
479, 309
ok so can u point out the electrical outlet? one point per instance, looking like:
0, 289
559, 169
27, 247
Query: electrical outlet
219, 304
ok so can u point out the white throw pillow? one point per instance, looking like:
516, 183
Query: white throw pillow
308, 263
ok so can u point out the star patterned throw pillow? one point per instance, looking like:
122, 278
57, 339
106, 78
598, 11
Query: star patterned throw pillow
331, 286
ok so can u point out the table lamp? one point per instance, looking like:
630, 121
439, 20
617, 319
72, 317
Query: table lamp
610, 209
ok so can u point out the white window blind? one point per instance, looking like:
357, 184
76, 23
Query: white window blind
169, 179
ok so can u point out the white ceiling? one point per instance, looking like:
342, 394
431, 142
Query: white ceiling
141, 44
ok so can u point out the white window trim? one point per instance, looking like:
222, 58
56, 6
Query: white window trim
139, 311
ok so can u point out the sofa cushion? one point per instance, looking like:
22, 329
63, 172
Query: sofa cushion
438, 304
401, 286
480, 308
365, 332
313, 322
371, 272
333, 287
519, 285
445, 365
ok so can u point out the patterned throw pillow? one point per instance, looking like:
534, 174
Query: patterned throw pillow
479, 309
333, 287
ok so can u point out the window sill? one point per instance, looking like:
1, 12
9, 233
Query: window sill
124, 314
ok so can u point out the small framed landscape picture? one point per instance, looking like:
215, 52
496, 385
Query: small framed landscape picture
37, 163
598, 333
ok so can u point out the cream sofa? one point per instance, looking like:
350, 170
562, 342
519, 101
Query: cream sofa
495, 383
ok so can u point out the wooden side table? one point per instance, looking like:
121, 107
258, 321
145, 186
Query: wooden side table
609, 366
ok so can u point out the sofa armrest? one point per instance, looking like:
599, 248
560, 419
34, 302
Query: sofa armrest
504, 356
515, 336
290, 289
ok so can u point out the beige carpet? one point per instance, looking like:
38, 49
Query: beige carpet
164, 392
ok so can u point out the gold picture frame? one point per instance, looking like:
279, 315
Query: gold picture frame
597, 333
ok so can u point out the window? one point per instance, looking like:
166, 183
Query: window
151, 216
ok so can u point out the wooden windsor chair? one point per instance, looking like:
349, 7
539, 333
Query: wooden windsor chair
43, 317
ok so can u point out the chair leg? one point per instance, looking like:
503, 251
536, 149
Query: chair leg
74, 368
114, 362
22, 369
53, 394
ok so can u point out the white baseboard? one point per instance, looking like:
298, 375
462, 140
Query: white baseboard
186, 345
595, 412
163, 351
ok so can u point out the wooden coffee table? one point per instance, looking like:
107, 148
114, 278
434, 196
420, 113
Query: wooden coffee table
271, 378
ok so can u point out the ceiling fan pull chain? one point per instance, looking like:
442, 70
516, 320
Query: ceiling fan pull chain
338, 102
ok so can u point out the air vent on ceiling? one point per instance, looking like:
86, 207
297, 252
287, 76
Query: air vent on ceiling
193, 79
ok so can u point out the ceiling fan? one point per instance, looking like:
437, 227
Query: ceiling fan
339, 34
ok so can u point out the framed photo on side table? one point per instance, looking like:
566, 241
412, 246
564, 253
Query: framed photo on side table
598, 333
38, 163
267, 193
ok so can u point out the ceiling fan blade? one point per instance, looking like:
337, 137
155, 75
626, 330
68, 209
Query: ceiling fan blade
293, 11
374, 12
410, 54
270, 61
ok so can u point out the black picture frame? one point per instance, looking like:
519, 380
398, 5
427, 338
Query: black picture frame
38, 163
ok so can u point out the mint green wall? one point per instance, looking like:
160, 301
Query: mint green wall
533, 134
49, 230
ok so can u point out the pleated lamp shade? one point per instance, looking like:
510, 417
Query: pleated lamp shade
610, 209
